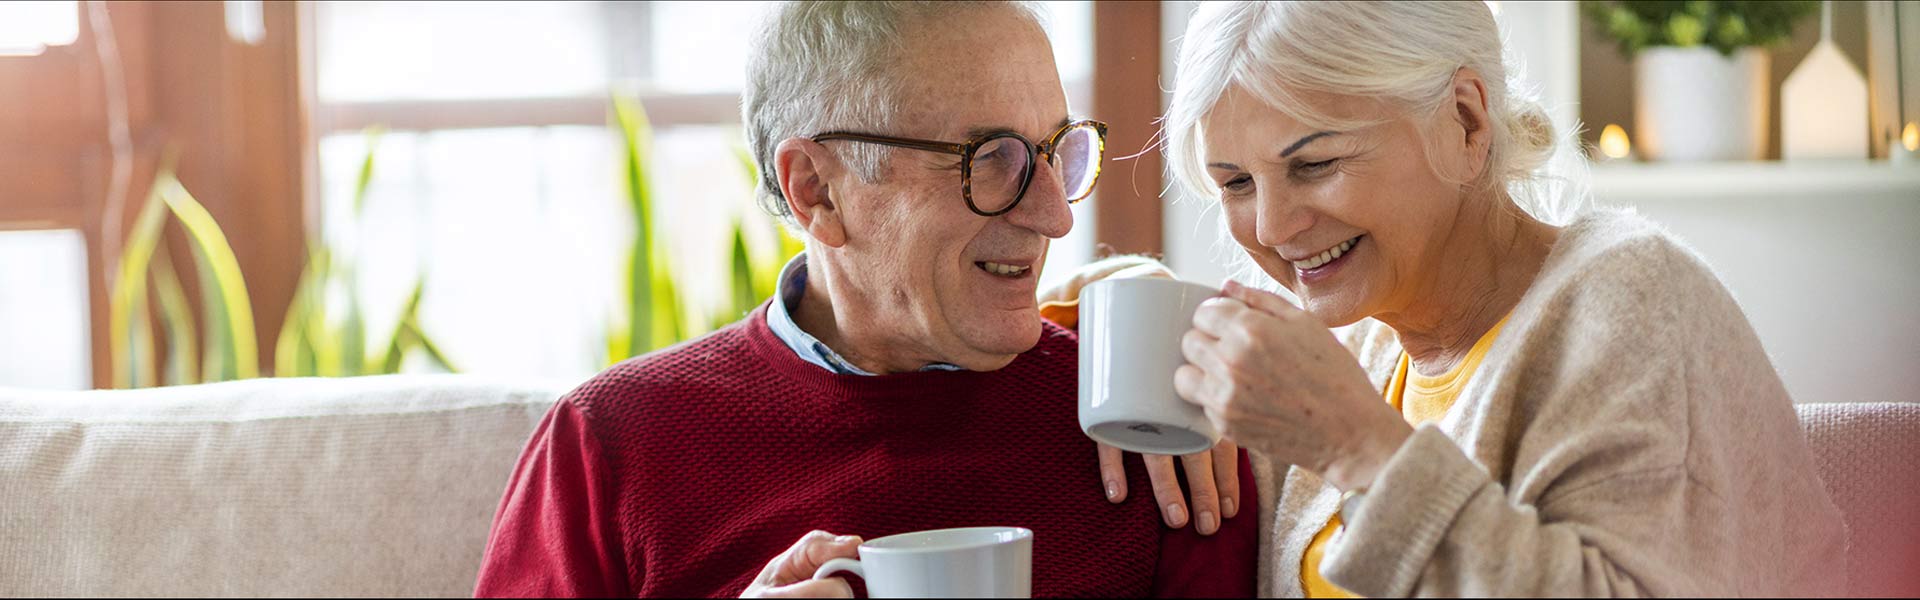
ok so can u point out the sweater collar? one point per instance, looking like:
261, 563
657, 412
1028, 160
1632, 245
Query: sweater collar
793, 286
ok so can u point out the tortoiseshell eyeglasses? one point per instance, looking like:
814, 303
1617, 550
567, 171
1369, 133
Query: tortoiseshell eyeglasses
997, 168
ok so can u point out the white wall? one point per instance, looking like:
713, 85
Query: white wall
1822, 258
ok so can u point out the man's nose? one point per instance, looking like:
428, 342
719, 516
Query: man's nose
1044, 208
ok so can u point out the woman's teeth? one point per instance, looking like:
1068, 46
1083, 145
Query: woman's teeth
1327, 256
1003, 270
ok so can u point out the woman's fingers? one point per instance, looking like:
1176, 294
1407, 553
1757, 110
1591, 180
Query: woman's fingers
1166, 489
1205, 494
1189, 383
813, 550
1226, 476
1218, 316
1113, 474
1260, 300
831, 587
1201, 349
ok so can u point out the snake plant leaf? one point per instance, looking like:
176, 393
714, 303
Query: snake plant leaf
176, 314
427, 345
639, 286
296, 350
228, 309
366, 172
746, 293
128, 321
352, 332
402, 340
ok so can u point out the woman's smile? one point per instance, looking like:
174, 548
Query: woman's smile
1319, 267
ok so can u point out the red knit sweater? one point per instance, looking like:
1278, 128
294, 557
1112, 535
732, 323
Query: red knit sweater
681, 473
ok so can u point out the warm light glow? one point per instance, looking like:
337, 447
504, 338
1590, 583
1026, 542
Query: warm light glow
1910, 137
1613, 142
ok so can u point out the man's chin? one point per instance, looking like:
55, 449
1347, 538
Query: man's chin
1007, 334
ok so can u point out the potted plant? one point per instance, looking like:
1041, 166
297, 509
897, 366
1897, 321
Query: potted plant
1700, 71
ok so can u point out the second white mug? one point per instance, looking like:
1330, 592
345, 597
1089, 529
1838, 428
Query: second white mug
1130, 333
969, 562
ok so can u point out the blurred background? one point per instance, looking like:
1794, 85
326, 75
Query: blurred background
199, 191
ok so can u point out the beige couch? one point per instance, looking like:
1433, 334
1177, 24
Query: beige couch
372, 486
385, 486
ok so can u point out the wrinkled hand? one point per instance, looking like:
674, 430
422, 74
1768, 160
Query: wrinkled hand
790, 575
1214, 476
1273, 378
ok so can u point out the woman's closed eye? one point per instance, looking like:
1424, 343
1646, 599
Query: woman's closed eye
1237, 185
1310, 170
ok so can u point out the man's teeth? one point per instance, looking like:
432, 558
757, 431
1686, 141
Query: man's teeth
1325, 257
1000, 269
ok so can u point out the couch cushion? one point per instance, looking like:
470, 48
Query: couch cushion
1869, 455
371, 486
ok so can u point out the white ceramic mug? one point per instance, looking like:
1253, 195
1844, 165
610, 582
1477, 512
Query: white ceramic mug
1130, 333
969, 562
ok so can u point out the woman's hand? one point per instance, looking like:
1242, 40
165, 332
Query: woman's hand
1272, 378
1214, 477
790, 575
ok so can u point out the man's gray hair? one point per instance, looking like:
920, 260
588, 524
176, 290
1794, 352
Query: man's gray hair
824, 65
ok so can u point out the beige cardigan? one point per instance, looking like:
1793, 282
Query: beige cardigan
1626, 436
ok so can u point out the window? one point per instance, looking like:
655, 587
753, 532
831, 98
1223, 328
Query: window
498, 179
28, 27
43, 310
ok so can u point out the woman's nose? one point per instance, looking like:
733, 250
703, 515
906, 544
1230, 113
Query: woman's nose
1277, 219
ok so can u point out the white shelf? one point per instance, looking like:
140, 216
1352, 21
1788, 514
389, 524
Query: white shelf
1834, 180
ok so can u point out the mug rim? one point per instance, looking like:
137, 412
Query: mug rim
1019, 533
1148, 281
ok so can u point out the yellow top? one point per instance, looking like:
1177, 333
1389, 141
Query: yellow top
1420, 399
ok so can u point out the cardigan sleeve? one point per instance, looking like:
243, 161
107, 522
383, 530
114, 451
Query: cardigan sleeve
1438, 525
555, 534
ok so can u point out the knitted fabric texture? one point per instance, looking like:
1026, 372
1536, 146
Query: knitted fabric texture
723, 451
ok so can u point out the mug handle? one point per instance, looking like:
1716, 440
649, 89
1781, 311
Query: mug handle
838, 565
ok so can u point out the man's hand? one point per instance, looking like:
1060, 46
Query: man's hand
790, 575
1214, 477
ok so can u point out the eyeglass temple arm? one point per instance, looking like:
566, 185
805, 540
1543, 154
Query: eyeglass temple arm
927, 145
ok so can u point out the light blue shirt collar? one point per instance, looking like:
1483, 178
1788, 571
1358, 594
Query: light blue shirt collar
793, 285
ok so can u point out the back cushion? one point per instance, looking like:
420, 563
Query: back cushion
371, 486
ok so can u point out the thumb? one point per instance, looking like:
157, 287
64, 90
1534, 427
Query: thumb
1260, 300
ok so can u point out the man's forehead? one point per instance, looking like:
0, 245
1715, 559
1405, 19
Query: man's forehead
984, 73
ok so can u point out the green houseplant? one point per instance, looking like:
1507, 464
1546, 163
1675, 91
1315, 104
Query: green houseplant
1700, 71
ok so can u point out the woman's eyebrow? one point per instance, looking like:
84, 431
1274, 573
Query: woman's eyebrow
1303, 141
1227, 166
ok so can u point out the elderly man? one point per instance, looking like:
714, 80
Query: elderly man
902, 380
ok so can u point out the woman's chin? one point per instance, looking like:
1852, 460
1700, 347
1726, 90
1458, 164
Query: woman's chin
1333, 310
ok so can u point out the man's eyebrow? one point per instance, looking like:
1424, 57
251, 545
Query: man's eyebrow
977, 132
1303, 141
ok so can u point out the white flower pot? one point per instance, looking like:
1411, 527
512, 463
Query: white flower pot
1694, 104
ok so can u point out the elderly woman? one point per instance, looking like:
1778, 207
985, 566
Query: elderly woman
1570, 409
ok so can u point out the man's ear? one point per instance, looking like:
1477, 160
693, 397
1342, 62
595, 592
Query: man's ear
804, 168
1470, 113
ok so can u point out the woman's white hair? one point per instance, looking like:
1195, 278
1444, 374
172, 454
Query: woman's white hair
822, 65
1404, 54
